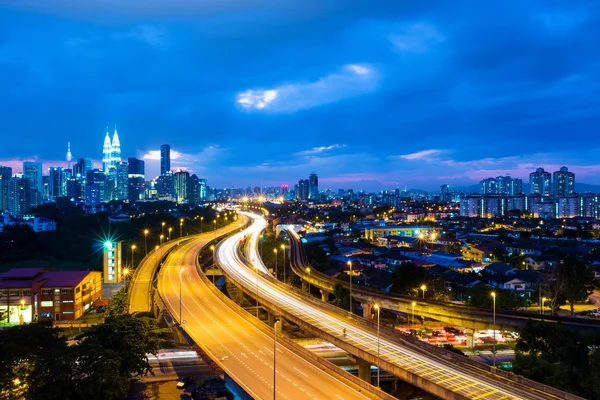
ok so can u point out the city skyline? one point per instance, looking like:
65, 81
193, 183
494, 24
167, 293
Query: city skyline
372, 100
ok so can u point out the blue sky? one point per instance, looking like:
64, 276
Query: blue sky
369, 94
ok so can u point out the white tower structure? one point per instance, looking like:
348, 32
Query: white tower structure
115, 150
106, 153
69, 155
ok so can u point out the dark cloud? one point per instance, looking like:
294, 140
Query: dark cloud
509, 83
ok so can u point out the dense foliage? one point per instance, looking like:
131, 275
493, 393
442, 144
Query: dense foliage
559, 357
37, 362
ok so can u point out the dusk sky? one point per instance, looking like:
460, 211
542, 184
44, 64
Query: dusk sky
369, 94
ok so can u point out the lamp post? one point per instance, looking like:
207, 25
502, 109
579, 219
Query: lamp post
162, 227
22, 308
132, 251
146, 232
180, 299
201, 225
215, 224
414, 303
277, 320
212, 247
542, 305
308, 271
284, 266
256, 269
494, 319
376, 306
423, 288
180, 228
170, 230
275, 251
161, 238
350, 265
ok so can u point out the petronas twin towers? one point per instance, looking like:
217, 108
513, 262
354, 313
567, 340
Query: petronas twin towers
111, 153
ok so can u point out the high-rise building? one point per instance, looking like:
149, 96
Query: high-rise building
74, 190
106, 153
115, 150
165, 186
488, 186
445, 193
32, 171
111, 152
203, 189
302, 190
181, 186
3, 194
136, 168
122, 181
95, 189
564, 182
81, 168
539, 182
5, 172
19, 197
165, 159
515, 187
136, 177
58, 182
313, 186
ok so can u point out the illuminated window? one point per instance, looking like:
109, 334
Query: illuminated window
46, 303
46, 292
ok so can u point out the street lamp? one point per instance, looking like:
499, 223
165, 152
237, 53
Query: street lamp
284, 267
215, 223
169, 237
132, 251
308, 271
125, 273
376, 306
180, 228
201, 227
423, 288
212, 247
414, 303
350, 265
180, 300
146, 232
22, 309
161, 238
277, 320
494, 350
162, 227
542, 305
275, 251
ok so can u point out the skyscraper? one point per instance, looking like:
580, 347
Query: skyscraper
564, 182
32, 171
3, 194
5, 172
115, 150
136, 176
539, 182
302, 190
313, 186
18, 197
106, 153
181, 186
58, 182
122, 180
445, 193
165, 159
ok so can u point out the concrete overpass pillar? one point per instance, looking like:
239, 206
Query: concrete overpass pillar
324, 295
364, 370
272, 321
470, 338
367, 310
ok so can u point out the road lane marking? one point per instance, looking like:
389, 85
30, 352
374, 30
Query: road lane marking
301, 372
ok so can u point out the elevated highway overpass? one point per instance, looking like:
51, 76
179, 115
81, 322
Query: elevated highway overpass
452, 314
439, 372
243, 346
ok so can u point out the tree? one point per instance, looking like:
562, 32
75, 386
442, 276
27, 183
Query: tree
408, 277
119, 301
342, 296
576, 279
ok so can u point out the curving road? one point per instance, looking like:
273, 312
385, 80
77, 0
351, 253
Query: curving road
242, 350
463, 380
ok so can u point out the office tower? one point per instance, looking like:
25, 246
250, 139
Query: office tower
165, 159
539, 182
193, 189
74, 190
115, 150
19, 193
95, 188
445, 193
5, 172
165, 186
122, 181
313, 188
564, 182
32, 171
136, 167
203, 189
3, 194
302, 190
181, 186
58, 184
136, 175
106, 153
81, 168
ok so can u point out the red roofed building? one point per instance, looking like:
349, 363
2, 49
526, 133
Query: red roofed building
31, 294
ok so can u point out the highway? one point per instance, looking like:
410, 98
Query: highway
242, 350
465, 380
449, 313
140, 299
